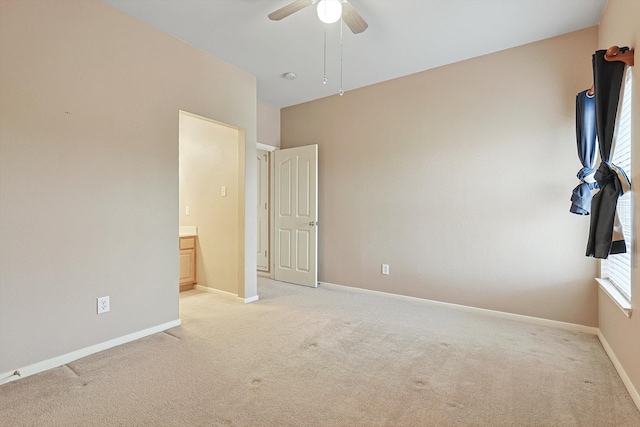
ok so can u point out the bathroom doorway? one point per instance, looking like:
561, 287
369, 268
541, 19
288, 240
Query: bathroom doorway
211, 197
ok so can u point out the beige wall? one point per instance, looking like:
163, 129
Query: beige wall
268, 124
208, 161
459, 178
620, 26
89, 102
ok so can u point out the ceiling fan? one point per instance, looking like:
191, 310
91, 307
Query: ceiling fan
349, 15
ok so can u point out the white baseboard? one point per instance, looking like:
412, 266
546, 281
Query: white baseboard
227, 295
224, 294
500, 314
78, 354
623, 374
247, 300
635, 396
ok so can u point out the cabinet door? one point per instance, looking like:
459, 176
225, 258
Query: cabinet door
187, 263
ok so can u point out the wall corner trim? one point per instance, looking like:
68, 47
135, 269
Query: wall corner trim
55, 362
247, 300
573, 327
635, 396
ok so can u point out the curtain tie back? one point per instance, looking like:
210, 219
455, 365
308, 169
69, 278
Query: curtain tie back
604, 175
581, 195
581, 198
586, 174
623, 179
613, 174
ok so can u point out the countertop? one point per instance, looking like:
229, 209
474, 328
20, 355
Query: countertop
188, 231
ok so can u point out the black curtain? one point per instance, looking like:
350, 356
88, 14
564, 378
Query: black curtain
607, 82
586, 140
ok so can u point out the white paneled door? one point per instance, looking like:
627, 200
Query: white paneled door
296, 215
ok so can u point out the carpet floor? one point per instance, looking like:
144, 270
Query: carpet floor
323, 357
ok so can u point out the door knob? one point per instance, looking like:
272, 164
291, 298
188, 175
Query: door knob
313, 223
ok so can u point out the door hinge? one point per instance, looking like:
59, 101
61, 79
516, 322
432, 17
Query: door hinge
265, 253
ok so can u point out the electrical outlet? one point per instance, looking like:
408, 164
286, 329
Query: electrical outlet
103, 305
223, 191
385, 268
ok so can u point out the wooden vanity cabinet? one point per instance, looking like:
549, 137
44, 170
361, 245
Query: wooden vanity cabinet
187, 262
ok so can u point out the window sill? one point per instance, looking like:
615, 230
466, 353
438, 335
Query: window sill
621, 301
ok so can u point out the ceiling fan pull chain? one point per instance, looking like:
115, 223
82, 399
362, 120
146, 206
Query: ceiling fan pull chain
324, 71
341, 92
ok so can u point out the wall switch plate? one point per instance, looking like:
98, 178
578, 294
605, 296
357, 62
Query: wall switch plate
385, 268
223, 191
103, 305
187, 211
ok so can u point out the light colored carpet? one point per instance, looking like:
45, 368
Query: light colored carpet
319, 357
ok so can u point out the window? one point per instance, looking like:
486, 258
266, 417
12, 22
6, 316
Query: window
617, 268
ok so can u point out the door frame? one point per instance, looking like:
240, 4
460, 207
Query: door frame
246, 284
271, 149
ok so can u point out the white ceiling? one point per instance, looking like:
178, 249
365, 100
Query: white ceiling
404, 37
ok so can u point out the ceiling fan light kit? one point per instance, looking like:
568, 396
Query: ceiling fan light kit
329, 11
349, 15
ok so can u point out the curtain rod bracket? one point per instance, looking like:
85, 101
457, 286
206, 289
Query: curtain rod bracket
623, 54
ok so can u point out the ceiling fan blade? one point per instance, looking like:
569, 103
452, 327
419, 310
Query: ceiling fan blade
352, 18
289, 9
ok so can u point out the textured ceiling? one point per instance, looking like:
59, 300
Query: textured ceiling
404, 37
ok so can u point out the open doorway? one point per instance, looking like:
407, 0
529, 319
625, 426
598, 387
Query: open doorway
264, 160
211, 197
287, 214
